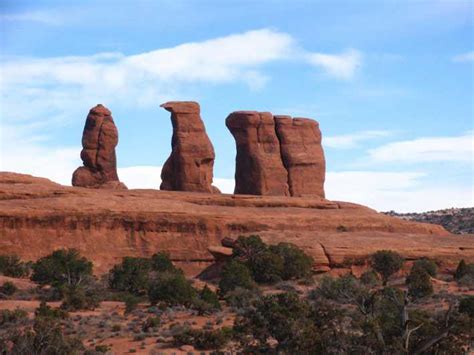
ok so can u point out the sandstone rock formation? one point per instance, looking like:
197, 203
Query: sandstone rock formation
190, 165
302, 155
277, 155
99, 139
38, 216
259, 168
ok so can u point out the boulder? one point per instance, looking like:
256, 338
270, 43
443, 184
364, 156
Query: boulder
190, 165
302, 155
99, 139
259, 167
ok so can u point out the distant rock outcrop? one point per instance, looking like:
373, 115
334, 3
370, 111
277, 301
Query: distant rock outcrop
302, 155
259, 168
99, 139
190, 165
277, 155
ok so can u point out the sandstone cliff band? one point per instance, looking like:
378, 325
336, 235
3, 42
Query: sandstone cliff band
276, 155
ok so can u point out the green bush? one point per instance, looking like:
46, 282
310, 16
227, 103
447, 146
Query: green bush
45, 311
161, 262
386, 263
466, 305
171, 288
45, 337
241, 298
464, 270
267, 267
210, 297
62, 267
419, 283
79, 298
427, 265
12, 266
103, 348
151, 323
12, 316
131, 275
8, 288
235, 274
296, 264
282, 317
202, 339
131, 303
369, 278
247, 248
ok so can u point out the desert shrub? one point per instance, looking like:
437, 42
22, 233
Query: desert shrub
427, 265
46, 311
341, 289
62, 267
171, 288
203, 339
45, 337
131, 303
246, 248
103, 348
151, 323
235, 274
210, 297
8, 288
386, 263
369, 278
240, 298
12, 266
131, 275
267, 267
161, 262
79, 298
464, 271
12, 316
419, 282
296, 264
283, 317
466, 305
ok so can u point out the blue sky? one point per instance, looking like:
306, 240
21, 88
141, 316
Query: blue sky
390, 82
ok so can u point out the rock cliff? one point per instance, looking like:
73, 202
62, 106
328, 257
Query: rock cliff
190, 165
38, 216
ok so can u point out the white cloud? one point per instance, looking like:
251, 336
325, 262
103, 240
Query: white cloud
140, 177
342, 66
22, 152
399, 191
45, 17
53, 86
465, 57
430, 149
347, 141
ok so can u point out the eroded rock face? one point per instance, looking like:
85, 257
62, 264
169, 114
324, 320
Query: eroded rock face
99, 139
277, 155
302, 155
259, 168
38, 216
190, 165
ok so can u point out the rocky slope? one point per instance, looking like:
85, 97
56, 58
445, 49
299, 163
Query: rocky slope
455, 220
37, 216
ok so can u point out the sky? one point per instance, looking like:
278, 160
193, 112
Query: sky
391, 84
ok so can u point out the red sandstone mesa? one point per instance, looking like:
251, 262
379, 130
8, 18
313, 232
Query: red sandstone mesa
259, 168
302, 155
99, 139
190, 165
